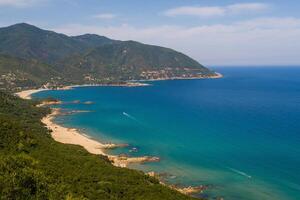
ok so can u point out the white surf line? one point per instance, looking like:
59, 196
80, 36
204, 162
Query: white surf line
240, 172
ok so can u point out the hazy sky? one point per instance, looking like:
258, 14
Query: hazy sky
214, 32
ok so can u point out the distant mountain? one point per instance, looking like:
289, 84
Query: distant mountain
132, 60
56, 59
29, 42
137, 55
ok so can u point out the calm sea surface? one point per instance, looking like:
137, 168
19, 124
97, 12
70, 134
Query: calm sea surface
239, 134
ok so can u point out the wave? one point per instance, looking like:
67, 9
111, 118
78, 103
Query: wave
240, 172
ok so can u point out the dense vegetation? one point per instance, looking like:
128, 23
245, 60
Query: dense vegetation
26, 73
34, 166
30, 56
128, 60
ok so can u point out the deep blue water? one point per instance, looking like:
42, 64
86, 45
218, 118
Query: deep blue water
241, 133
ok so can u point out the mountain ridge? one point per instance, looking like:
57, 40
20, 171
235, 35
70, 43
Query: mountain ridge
92, 59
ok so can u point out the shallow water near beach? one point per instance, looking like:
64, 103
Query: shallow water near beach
239, 134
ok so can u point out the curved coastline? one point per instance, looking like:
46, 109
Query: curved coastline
26, 94
73, 136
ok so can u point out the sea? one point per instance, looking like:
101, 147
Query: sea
238, 135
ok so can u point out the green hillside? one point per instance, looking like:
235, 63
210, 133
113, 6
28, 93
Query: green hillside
18, 72
56, 59
29, 42
128, 60
93, 40
34, 166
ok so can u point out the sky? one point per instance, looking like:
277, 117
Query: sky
213, 32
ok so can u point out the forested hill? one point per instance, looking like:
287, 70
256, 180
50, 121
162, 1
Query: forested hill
32, 57
34, 166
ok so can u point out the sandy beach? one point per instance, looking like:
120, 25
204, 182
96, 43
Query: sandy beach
26, 94
73, 136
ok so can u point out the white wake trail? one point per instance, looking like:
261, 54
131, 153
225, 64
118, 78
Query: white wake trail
240, 172
130, 117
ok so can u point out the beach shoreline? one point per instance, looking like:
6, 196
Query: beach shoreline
70, 135
73, 136
26, 94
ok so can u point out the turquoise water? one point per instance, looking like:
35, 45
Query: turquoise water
239, 134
